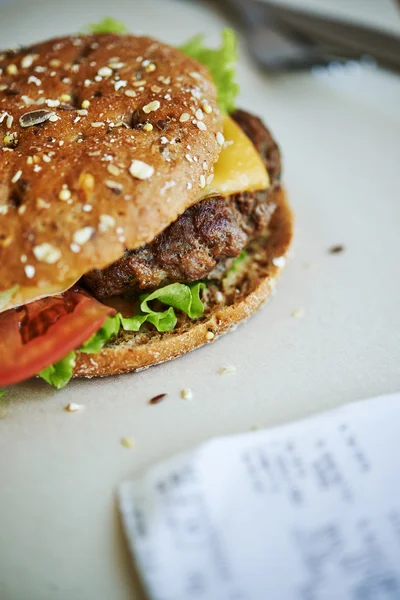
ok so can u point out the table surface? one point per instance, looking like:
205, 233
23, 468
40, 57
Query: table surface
60, 535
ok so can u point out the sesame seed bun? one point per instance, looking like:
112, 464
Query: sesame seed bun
96, 155
227, 304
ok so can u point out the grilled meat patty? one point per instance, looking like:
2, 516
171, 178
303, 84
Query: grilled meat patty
203, 237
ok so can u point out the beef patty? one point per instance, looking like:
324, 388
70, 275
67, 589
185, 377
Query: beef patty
203, 237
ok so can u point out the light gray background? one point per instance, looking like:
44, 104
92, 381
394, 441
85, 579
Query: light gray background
59, 531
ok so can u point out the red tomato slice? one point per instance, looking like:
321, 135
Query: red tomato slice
37, 335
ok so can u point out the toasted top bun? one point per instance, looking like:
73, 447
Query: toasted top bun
72, 196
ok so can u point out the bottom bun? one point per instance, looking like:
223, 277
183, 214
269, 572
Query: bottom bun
227, 303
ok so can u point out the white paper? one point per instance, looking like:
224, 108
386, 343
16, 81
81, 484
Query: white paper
306, 511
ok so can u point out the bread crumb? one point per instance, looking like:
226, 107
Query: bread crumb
298, 313
127, 441
74, 407
228, 370
186, 394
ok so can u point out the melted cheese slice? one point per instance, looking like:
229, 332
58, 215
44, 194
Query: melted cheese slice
239, 167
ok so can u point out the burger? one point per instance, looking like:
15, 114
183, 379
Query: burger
141, 213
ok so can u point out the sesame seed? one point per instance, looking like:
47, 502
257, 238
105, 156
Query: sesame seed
97, 78
219, 296
16, 176
12, 69
210, 335
85, 104
105, 72
229, 370
184, 117
150, 68
210, 178
81, 236
28, 60
98, 124
202, 181
151, 106
29, 160
65, 98
113, 185
202, 126
186, 394
120, 84
23, 258
127, 442
65, 195
11, 140
220, 138
82, 112
146, 62
54, 63
139, 83
164, 140
87, 83
52, 103
75, 248
199, 114
195, 75
207, 109
141, 170
130, 93
189, 185
29, 271
113, 170
54, 118
106, 222
74, 407
87, 208
47, 253
3, 209
35, 80
148, 127
298, 313
22, 209
188, 158
116, 65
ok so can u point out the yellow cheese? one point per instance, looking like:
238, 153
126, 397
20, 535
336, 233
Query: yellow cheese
239, 167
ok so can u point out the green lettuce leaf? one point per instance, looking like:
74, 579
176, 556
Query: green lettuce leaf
221, 63
177, 295
236, 263
107, 25
5, 297
59, 374
102, 336
1, 394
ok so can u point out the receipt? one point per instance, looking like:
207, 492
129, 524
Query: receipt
305, 511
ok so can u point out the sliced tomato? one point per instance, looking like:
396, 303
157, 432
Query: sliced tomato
37, 335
